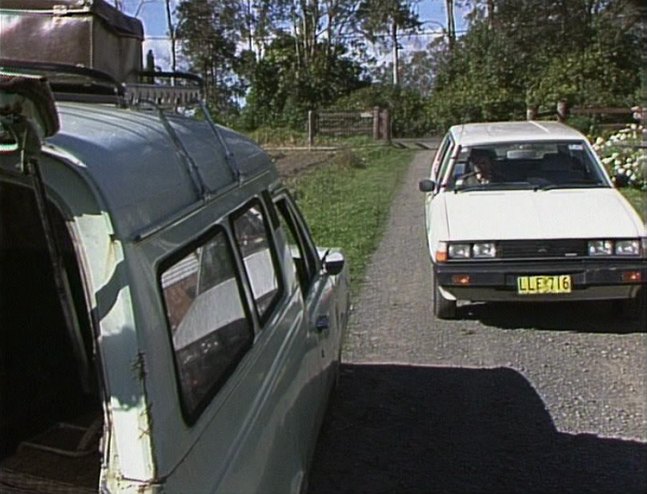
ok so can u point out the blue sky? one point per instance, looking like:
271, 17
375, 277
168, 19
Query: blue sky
152, 14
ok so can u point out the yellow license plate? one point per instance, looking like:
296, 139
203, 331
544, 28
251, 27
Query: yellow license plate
539, 285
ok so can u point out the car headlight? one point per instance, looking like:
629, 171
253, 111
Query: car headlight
484, 250
627, 248
459, 251
600, 247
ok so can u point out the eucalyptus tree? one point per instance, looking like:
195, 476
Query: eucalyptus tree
383, 22
209, 32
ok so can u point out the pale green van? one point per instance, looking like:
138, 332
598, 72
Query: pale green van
166, 322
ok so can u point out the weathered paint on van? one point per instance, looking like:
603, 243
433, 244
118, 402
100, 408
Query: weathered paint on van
130, 197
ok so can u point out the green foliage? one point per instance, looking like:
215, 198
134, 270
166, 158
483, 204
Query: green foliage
638, 199
282, 92
407, 107
588, 53
209, 32
347, 205
620, 154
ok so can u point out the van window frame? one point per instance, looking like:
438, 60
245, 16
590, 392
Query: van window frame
300, 232
269, 227
191, 416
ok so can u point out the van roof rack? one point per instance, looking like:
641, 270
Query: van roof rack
83, 84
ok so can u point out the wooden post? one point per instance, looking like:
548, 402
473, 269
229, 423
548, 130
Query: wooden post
311, 128
386, 125
376, 123
562, 110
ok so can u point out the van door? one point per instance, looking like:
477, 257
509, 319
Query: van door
325, 314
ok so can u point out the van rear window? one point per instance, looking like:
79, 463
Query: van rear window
210, 328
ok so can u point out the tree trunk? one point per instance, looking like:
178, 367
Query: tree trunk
171, 32
396, 57
451, 23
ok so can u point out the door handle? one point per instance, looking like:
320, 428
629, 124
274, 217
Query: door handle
322, 323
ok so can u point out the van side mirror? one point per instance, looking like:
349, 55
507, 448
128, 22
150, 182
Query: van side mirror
427, 185
333, 263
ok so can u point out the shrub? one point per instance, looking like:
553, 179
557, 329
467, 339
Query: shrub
621, 155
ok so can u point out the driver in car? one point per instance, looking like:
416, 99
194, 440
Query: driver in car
480, 166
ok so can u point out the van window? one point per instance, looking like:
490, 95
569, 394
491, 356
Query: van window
209, 324
252, 234
301, 249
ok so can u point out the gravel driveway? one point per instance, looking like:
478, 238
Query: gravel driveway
507, 399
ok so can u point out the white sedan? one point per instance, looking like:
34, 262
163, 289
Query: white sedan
525, 211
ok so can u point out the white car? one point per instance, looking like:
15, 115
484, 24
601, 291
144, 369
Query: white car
525, 211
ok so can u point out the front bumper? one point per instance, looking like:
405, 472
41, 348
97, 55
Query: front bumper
496, 280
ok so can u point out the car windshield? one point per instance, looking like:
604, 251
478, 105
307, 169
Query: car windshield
526, 165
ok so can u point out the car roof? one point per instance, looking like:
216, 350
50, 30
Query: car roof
147, 168
483, 133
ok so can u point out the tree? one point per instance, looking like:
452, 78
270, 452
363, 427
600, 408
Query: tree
390, 18
536, 51
282, 95
209, 31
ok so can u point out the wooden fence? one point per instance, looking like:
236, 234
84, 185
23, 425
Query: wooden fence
563, 111
375, 123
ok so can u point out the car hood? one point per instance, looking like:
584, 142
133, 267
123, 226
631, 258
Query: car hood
527, 214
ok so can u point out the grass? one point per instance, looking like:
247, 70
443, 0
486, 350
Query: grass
347, 201
638, 199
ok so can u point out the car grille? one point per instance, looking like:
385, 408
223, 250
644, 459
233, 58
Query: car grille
524, 249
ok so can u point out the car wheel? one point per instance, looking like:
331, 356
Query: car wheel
443, 308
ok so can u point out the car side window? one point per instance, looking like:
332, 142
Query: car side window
444, 165
299, 243
252, 232
440, 155
209, 323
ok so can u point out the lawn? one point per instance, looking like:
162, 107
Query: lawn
638, 199
347, 202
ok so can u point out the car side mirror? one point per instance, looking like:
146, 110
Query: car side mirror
427, 185
333, 263
620, 180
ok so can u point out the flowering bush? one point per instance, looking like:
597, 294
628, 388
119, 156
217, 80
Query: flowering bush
621, 156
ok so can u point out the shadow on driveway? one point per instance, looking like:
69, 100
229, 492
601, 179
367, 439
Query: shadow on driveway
405, 429
594, 317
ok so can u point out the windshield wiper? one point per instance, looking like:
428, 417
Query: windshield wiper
496, 186
574, 185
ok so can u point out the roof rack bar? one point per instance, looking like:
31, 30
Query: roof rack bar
229, 156
172, 75
92, 75
186, 158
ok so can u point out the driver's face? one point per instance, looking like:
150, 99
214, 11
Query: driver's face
482, 164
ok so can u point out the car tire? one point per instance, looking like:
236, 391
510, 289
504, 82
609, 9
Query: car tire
443, 308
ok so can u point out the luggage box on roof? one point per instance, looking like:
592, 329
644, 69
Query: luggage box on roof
88, 33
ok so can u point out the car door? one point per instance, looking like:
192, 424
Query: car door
435, 221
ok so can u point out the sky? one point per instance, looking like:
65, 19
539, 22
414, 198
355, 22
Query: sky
152, 13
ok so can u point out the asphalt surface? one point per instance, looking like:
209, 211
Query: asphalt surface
509, 398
